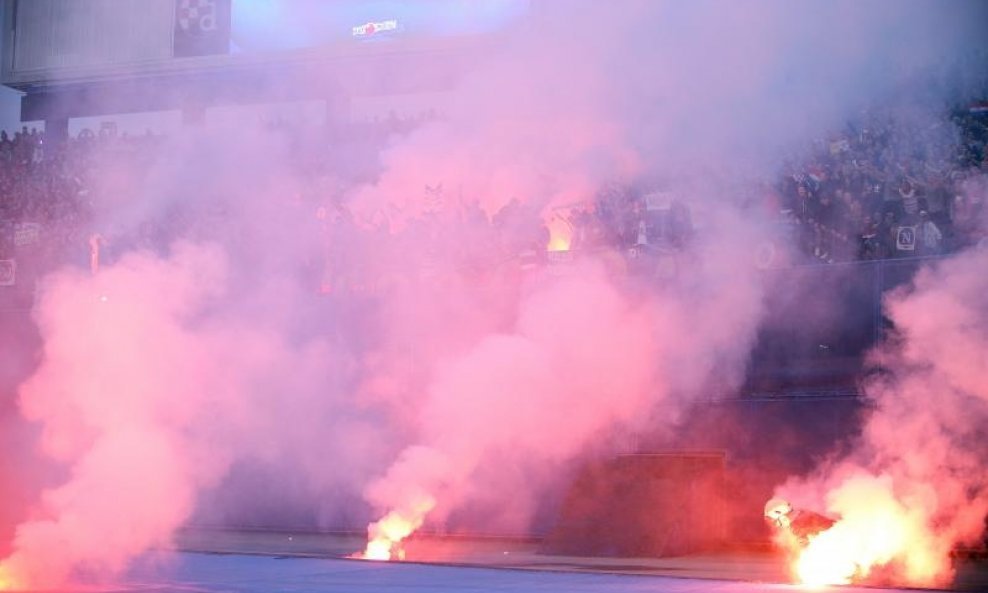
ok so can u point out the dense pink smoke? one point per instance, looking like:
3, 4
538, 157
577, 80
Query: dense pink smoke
579, 361
145, 395
449, 386
698, 97
120, 382
914, 487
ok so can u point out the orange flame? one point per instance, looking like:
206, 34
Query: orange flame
384, 537
7, 582
560, 234
826, 561
876, 530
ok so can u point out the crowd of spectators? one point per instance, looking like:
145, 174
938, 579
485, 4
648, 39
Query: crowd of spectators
46, 195
890, 187
887, 186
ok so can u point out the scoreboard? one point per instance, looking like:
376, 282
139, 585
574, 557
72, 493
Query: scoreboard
279, 25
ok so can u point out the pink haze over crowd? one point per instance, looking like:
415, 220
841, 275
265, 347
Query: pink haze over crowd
165, 377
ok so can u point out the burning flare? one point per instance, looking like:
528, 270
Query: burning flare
384, 537
560, 234
7, 582
826, 561
876, 530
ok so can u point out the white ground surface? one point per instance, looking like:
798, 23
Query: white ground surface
183, 572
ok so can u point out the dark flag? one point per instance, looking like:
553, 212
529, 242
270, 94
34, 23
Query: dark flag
202, 27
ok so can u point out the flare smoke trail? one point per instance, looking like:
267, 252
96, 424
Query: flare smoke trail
577, 367
914, 487
123, 444
457, 393
704, 123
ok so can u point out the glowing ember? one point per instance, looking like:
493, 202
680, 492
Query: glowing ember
560, 234
385, 536
7, 582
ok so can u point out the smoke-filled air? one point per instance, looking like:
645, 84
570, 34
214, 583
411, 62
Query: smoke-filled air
434, 327
913, 488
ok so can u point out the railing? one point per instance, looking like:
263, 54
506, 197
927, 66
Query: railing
823, 318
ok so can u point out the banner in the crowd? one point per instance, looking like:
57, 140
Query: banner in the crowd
8, 272
839, 146
658, 200
202, 27
26, 233
905, 238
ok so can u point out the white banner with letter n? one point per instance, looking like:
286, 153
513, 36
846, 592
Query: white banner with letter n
905, 238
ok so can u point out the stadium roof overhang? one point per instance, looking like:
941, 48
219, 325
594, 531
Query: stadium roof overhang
289, 78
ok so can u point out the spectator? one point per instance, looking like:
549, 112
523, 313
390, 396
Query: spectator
887, 235
928, 236
909, 199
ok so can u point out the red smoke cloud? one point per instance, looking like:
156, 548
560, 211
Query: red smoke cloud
581, 362
577, 360
455, 385
120, 381
146, 393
